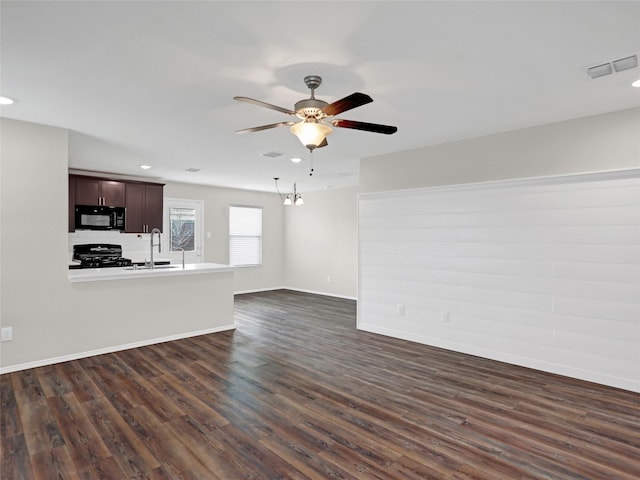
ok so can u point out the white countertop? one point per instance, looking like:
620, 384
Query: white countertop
124, 273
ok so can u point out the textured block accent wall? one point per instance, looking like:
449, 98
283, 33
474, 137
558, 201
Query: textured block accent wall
543, 273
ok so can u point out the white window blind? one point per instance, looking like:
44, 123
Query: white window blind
245, 236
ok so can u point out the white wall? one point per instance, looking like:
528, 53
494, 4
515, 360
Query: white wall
591, 144
216, 221
320, 235
33, 252
321, 243
52, 318
542, 273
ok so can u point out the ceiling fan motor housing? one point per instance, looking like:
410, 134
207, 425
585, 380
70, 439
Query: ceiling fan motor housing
310, 108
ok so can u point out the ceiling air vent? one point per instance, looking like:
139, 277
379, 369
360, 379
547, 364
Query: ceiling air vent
271, 154
192, 170
600, 70
612, 66
625, 63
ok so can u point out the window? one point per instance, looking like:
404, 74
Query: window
245, 236
182, 232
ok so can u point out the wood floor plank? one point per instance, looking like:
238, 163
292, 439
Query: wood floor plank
54, 464
79, 381
105, 468
40, 429
131, 454
296, 392
85, 444
9, 416
15, 461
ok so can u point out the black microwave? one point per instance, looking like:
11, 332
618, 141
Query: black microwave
90, 217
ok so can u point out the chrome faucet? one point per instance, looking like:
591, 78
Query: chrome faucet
179, 249
154, 231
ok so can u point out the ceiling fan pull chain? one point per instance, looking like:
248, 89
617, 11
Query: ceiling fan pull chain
311, 162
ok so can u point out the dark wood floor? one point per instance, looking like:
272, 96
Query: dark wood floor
297, 392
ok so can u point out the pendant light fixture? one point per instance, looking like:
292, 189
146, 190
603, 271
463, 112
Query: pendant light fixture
293, 198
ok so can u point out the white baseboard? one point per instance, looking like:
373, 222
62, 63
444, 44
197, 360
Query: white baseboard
117, 348
315, 292
536, 364
258, 290
301, 290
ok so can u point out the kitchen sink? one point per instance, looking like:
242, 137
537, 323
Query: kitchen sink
156, 267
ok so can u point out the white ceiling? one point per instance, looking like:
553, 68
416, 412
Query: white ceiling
151, 82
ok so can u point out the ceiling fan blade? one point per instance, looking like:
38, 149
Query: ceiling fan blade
347, 103
369, 127
265, 127
264, 104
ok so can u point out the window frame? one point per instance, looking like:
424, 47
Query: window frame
258, 236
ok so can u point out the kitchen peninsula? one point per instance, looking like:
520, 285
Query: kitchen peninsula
135, 272
128, 307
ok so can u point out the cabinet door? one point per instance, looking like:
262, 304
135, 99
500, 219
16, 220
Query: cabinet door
113, 193
134, 217
72, 204
87, 191
153, 204
95, 191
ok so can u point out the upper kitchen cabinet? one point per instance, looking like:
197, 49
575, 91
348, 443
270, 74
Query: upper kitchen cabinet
97, 191
72, 203
144, 207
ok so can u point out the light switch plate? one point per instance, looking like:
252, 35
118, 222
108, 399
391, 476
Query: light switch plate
7, 334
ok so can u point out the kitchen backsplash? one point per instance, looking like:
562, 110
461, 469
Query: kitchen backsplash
134, 245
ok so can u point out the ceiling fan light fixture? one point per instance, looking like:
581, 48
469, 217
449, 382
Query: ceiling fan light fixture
310, 134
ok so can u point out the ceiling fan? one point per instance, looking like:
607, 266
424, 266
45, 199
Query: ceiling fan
315, 116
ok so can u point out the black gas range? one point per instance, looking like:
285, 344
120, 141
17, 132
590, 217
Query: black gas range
99, 255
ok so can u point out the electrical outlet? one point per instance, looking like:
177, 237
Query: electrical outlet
400, 310
444, 316
7, 334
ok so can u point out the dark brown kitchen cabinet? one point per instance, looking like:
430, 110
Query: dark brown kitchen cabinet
72, 204
98, 191
144, 203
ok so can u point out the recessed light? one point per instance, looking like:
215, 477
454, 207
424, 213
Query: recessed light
6, 101
296, 159
636, 83
145, 167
